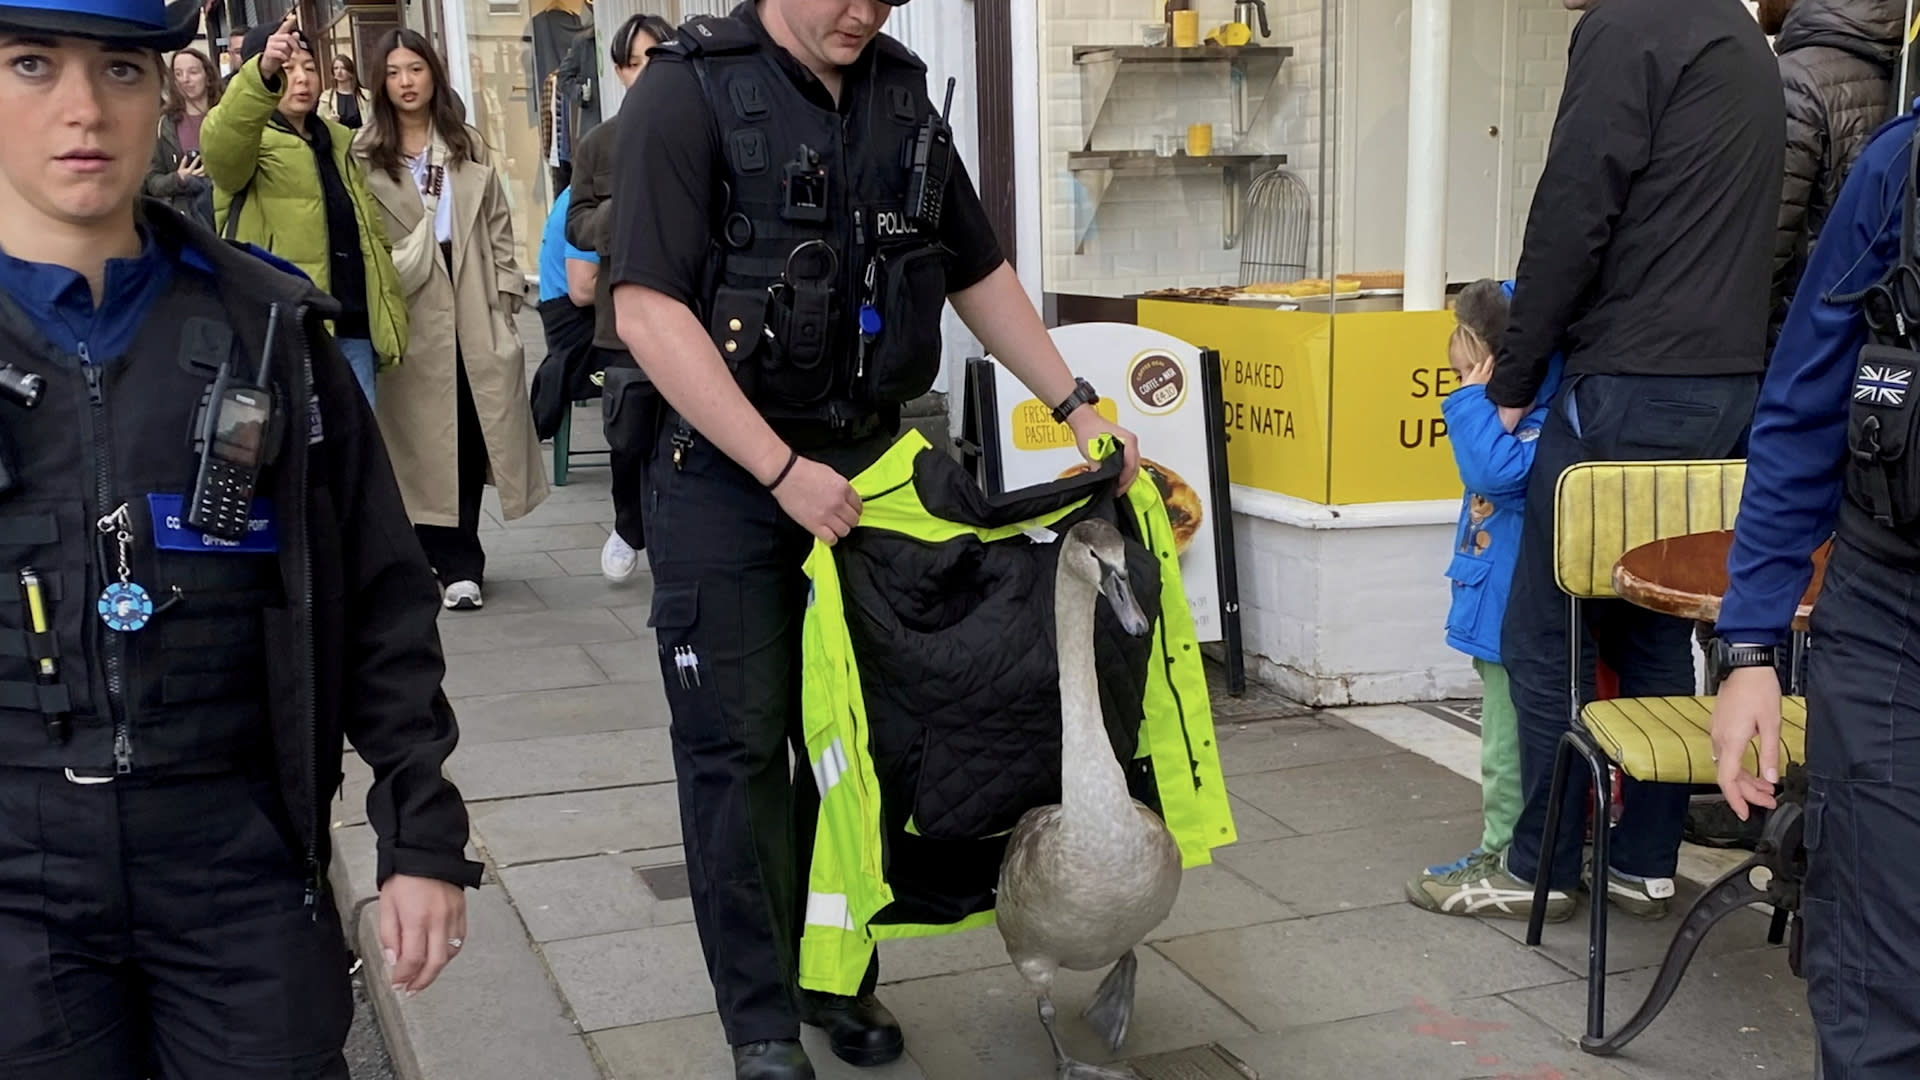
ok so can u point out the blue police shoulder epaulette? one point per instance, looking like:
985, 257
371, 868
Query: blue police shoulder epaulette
273, 260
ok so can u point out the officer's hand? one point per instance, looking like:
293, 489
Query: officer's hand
1088, 425
1748, 706
420, 921
281, 45
1510, 417
820, 499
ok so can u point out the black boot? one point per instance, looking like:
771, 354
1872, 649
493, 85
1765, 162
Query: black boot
861, 1029
782, 1060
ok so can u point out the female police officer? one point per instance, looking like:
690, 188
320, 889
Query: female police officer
781, 281
178, 661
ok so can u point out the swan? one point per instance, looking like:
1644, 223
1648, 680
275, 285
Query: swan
1085, 881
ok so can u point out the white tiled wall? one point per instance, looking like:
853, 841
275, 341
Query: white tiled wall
1160, 231
1153, 232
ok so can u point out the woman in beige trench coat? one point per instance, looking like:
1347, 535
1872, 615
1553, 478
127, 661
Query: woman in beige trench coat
454, 413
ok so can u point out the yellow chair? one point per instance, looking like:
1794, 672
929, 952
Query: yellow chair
1602, 510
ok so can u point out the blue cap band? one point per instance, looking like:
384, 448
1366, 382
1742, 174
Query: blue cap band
148, 13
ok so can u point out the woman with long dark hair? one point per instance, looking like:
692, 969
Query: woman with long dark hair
192, 90
455, 415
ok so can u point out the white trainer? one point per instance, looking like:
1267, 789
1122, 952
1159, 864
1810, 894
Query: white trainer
618, 561
462, 596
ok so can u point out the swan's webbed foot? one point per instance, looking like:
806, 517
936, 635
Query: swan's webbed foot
1112, 1006
1069, 1069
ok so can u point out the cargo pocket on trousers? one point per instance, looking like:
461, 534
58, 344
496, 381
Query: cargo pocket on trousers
697, 721
1826, 960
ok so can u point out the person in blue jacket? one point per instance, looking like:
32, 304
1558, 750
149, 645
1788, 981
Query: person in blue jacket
1494, 464
1834, 454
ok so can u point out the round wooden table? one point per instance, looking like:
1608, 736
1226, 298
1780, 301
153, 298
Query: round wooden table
1687, 575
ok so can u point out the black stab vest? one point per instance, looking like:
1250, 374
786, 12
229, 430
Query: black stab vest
812, 229
188, 690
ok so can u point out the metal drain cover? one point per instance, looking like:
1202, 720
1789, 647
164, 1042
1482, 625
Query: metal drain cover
1197, 1063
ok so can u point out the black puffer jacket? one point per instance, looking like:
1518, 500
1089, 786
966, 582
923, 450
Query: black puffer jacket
1837, 60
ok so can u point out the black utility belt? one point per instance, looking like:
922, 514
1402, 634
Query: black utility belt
1883, 438
804, 434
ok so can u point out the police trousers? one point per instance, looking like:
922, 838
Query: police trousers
1604, 418
729, 602
159, 929
1862, 897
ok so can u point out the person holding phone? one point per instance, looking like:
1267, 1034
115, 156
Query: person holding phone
178, 175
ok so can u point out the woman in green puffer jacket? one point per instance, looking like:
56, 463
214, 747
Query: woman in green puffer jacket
301, 195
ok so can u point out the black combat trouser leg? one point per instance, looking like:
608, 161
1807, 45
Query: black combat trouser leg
626, 463
1862, 898
729, 602
158, 930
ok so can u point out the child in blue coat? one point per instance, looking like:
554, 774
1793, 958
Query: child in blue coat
1493, 464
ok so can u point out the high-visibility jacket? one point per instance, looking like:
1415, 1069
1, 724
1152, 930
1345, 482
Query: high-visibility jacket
901, 851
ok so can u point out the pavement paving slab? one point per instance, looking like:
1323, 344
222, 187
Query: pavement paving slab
594, 591
1352, 868
596, 895
574, 710
984, 1025
519, 670
560, 763
483, 631
1734, 1017
542, 828
1356, 963
633, 977
1475, 1039
1390, 789
1313, 739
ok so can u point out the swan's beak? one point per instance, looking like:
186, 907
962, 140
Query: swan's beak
1114, 586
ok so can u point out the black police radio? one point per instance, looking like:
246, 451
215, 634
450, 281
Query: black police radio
232, 434
932, 163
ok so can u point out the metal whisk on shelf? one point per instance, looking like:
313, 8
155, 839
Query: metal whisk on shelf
1274, 240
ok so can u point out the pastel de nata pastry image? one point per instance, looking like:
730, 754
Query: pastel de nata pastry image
1183, 503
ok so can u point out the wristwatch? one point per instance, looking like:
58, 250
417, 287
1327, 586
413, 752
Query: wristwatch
1730, 656
1083, 394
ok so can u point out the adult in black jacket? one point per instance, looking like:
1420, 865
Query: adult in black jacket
173, 701
1647, 260
1837, 61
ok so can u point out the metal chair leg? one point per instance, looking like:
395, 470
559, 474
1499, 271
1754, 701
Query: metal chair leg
1597, 931
562, 446
1777, 931
1556, 792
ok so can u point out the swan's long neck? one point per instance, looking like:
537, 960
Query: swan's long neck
1092, 786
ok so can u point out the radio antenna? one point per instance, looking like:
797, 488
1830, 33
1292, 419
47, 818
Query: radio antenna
946, 111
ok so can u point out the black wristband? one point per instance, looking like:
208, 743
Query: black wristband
793, 458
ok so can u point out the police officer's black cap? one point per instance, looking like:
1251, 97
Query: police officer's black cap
140, 24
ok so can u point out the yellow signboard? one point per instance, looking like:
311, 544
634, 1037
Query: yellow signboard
1276, 374
1390, 374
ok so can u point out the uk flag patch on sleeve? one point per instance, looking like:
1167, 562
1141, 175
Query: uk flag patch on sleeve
1882, 384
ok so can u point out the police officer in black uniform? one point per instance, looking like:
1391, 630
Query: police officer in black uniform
209, 579
1835, 453
781, 283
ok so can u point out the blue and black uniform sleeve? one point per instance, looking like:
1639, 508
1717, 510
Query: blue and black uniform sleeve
1797, 455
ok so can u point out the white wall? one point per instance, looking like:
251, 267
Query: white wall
1509, 59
